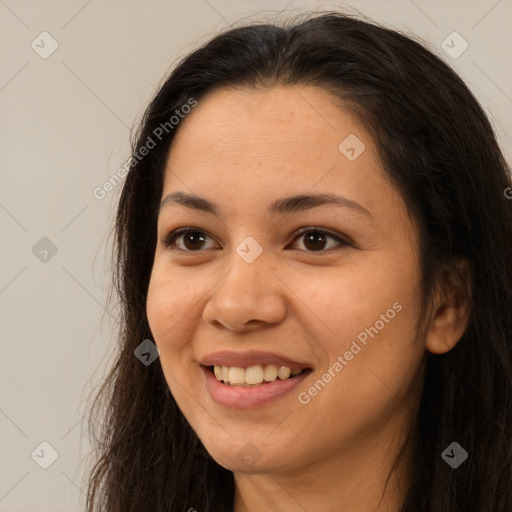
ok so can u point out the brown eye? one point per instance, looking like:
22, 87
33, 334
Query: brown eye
316, 240
193, 240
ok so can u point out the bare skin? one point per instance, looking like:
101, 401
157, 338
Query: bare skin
334, 449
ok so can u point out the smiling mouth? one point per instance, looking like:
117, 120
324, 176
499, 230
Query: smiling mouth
254, 376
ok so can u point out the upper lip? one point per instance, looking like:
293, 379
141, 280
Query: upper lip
250, 358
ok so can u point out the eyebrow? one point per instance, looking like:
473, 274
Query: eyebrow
285, 205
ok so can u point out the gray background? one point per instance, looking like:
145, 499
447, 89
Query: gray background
64, 129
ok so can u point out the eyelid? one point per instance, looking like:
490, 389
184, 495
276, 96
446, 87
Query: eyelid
343, 241
168, 238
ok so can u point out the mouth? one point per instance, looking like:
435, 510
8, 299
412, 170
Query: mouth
251, 387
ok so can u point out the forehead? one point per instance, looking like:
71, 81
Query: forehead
294, 128
248, 146
264, 120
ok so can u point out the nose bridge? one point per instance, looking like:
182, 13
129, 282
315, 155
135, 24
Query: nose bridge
248, 292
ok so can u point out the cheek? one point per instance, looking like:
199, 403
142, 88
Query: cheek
345, 303
371, 340
160, 310
170, 302
169, 316
167, 313
373, 364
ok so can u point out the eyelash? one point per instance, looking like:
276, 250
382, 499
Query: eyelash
168, 240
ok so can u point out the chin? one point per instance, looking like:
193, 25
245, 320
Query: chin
246, 457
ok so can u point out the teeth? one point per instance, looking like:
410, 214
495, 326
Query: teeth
252, 375
218, 372
283, 372
270, 373
236, 375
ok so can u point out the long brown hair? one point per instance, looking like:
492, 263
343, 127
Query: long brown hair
438, 147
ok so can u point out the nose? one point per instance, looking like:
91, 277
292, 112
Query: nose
248, 297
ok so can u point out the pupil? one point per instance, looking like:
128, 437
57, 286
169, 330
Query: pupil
313, 237
193, 237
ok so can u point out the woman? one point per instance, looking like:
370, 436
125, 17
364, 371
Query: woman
315, 234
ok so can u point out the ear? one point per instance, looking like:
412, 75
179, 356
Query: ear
452, 309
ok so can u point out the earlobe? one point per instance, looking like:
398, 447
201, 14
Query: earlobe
451, 317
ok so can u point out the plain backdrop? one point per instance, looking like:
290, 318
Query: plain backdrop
64, 128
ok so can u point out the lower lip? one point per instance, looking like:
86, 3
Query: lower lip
236, 397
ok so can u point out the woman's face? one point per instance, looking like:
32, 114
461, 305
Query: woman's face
263, 281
